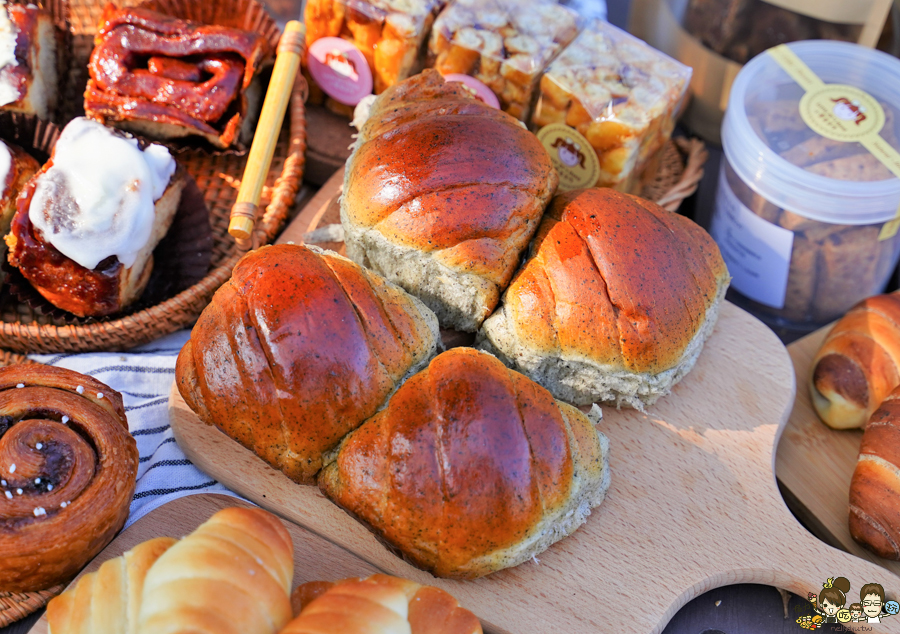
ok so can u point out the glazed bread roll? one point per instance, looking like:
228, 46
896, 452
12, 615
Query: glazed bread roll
107, 601
298, 349
87, 224
471, 468
858, 364
875, 486
29, 54
16, 169
67, 473
442, 194
231, 575
379, 604
614, 303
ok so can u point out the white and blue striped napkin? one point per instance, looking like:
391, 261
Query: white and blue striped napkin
144, 377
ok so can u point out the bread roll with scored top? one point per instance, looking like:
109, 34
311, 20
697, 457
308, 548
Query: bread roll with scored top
30, 47
231, 575
16, 169
86, 225
299, 348
471, 468
875, 486
107, 601
442, 194
379, 604
614, 302
858, 364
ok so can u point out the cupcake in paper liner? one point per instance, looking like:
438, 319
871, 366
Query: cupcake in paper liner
183, 73
107, 226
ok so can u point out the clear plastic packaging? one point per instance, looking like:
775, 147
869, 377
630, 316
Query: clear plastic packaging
799, 216
619, 93
389, 33
505, 44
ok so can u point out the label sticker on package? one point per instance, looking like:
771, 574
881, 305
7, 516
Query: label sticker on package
756, 252
571, 155
481, 92
340, 69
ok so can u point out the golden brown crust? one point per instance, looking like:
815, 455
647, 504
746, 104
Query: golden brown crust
76, 477
858, 364
875, 486
380, 604
298, 349
465, 462
616, 279
22, 167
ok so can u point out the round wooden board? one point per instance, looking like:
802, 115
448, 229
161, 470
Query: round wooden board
693, 505
315, 559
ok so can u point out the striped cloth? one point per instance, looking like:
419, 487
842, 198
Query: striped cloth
144, 377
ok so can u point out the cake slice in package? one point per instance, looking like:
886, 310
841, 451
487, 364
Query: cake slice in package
619, 94
390, 35
505, 44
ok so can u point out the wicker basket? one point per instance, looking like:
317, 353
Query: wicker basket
218, 177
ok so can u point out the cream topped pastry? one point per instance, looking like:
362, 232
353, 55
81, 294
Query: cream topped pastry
5, 165
97, 199
9, 91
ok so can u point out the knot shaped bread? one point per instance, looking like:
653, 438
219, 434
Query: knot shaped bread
297, 350
471, 468
67, 473
172, 75
442, 194
614, 303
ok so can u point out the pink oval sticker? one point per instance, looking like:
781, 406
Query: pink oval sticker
482, 92
340, 69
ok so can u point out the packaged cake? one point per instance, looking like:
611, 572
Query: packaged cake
504, 44
388, 35
619, 94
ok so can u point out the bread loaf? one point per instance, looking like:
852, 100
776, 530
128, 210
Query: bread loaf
875, 486
614, 302
299, 348
858, 364
442, 194
380, 604
471, 468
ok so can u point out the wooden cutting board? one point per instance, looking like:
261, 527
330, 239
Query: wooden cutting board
314, 558
693, 505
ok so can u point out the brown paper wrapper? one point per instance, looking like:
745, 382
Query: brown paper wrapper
248, 15
180, 260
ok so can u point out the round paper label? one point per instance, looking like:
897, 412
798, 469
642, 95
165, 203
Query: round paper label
481, 92
340, 69
571, 155
842, 113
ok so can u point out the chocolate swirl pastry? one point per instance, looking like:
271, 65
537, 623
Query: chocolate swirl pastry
170, 78
67, 473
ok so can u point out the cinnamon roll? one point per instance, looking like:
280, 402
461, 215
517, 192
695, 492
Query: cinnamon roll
67, 473
170, 78
29, 46
87, 223
16, 167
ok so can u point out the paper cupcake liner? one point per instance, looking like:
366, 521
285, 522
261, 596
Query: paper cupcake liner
181, 259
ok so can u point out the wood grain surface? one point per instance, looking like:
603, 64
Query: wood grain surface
314, 558
693, 505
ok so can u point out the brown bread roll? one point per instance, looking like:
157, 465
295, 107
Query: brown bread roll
471, 468
442, 194
67, 473
299, 348
379, 604
613, 304
875, 486
858, 364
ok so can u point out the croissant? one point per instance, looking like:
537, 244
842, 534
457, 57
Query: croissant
858, 364
67, 473
875, 486
299, 348
471, 468
107, 601
379, 604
